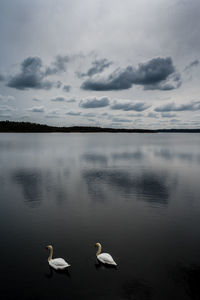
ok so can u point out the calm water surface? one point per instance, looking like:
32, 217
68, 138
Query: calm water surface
137, 194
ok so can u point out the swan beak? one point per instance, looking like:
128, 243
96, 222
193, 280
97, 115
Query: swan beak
46, 248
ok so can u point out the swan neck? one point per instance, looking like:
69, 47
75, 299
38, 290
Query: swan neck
98, 250
50, 254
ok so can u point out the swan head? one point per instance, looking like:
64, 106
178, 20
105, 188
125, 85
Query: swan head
49, 247
97, 245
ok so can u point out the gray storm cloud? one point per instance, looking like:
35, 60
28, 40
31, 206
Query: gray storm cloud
89, 115
59, 65
153, 74
62, 99
73, 113
123, 120
191, 65
128, 106
98, 66
152, 115
59, 99
94, 102
192, 106
37, 109
58, 84
33, 74
167, 115
67, 88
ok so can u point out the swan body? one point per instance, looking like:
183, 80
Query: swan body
56, 263
105, 258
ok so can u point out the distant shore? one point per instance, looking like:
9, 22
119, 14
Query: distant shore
9, 126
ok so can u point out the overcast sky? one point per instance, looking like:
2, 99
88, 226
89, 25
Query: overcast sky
110, 63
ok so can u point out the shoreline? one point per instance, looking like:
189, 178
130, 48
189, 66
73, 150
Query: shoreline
28, 127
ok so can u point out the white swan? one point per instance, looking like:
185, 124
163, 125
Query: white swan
105, 258
56, 263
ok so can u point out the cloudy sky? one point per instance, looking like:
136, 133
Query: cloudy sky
109, 63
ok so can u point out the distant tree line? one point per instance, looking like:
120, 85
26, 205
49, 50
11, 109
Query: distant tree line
9, 126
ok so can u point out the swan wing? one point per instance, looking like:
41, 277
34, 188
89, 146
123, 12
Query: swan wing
58, 263
106, 258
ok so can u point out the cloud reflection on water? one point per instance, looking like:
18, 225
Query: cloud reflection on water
36, 183
150, 186
31, 182
128, 155
168, 154
95, 158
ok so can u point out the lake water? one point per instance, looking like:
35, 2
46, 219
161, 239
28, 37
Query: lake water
136, 194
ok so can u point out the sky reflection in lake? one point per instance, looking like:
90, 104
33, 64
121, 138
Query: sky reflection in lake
137, 194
